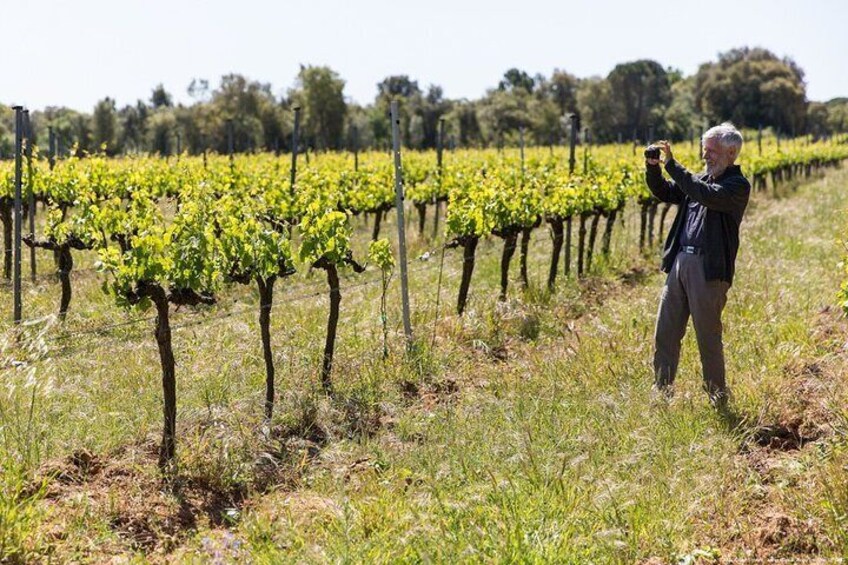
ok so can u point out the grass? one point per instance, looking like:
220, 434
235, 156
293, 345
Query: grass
527, 432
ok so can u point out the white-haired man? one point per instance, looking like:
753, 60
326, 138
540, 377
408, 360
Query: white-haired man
699, 254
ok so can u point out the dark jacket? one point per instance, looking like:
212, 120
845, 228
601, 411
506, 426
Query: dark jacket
725, 199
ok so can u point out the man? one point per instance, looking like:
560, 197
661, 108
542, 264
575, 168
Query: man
699, 255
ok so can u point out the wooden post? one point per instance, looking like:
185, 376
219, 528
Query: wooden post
440, 141
16, 270
521, 146
230, 140
399, 197
295, 142
572, 162
355, 147
203, 144
30, 192
51, 155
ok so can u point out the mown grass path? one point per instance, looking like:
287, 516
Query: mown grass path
527, 434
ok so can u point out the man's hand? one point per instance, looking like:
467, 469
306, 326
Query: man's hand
666, 149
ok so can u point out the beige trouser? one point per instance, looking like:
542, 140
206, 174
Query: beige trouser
686, 292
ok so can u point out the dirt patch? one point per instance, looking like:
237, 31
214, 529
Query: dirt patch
430, 393
785, 533
635, 276
787, 436
125, 487
75, 469
830, 330
362, 419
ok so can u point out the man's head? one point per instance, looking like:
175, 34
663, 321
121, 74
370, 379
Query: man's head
721, 147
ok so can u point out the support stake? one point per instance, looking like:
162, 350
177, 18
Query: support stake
404, 282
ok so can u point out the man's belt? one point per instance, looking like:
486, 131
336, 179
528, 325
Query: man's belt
691, 250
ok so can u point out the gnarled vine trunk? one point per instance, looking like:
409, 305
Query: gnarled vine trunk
593, 234
525, 247
510, 237
663, 215
438, 206
581, 244
652, 214
64, 264
167, 448
557, 229
378, 218
469, 247
266, 300
421, 207
607, 239
332, 325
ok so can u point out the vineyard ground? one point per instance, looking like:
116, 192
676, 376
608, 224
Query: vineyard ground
526, 433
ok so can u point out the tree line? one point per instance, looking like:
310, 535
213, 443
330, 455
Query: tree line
753, 87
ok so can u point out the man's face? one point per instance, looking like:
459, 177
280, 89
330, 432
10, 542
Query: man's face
717, 157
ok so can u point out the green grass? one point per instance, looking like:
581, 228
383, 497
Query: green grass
526, 433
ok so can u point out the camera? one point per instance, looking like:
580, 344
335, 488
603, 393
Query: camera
652, 152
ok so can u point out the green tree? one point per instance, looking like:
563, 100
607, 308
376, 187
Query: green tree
105, 126
562, 89
408, 96
320, 92
837, 115
640, 93
752, 87
380, 126
681, 118
503, 112
160, 131
359, 121
133, 124
514, 79
430, 109
258, 118
82, 134
160, 98
463, 117
7, 132
67, 125
596, 108
817, 119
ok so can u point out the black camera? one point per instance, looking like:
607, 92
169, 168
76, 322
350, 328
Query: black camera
652, 152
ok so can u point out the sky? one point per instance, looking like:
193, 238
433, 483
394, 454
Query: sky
74, 53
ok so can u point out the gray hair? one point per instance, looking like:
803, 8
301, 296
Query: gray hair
727, 134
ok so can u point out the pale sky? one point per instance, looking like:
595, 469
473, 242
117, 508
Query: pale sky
74, 53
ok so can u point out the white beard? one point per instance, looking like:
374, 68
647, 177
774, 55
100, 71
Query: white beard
714, 171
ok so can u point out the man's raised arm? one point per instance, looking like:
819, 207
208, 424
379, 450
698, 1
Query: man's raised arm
730, 195
665, 191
